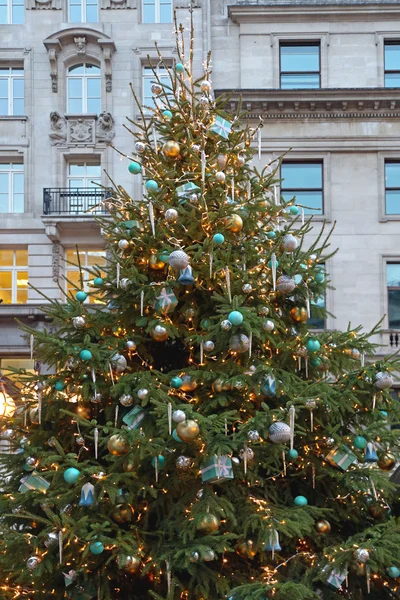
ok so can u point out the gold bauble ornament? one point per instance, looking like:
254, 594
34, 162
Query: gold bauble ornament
323, 527
234, 223
171, 149
159, 333
155, 264
128, 466
208, 524
188, 430
263, 206
122, 513
128, 563
117, 445
387, 462
378, 511
246, 549
188, 383
299, 314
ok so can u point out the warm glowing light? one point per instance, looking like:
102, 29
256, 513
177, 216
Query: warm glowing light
7, 404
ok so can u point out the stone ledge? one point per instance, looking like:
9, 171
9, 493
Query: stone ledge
30, 311
268, 12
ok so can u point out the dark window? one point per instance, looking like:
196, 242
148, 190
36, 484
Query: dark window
392, 187
304, 180
393, 288
300, 66
317, 308
392, 64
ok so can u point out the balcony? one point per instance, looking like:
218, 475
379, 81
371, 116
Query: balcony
74, 202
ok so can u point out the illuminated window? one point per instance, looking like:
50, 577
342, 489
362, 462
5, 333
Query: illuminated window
84, 89
11, 188
87, 259
157, 11
11, 90
14, 276
11, 12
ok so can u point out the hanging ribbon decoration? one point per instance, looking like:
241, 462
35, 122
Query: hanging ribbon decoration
201, 352
284, 462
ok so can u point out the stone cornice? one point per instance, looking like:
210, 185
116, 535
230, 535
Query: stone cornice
328, 103
247, 13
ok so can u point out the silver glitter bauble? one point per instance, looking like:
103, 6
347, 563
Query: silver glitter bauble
196, 148
178, 260
140, 147
183, 463
206, 86
226, 325
235, 460
31, 461
194, 557
285, 284
204, 100
194, 198
246, 452
247, 288
263, 311
80, 440
361, 555
124, 283
268, 326
239, 343
123, 244
302, 351
96, 398
178, 416
220, 176
51, 539
79, 322
330, 442
119, 362
289, 243
279, 433
131, 345
142, 393
253, 435
208, 346
383, 380
126, 400
156, 89
208, 555
311, 404
171, 215
33, 562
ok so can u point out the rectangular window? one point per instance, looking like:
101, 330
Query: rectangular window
149, 100
157, 11
300, 65
11, 12
393, 289
83, 11
14, 276
83, 179
87, 258
11, 90
304, 180
392, 187
11, 188
317, 308
392, 64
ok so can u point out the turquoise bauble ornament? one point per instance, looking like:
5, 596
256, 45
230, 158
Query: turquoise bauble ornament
300, 501
271, 235
96, 548
319, 277
98, 281
167, 114
179, 68
315, 362
218, 239
393, 572
313, 345
205, 323
176, 437
270, 264
85, 355
235, 317
134, 168
293, 454
151, 185
71, 475
294, 210
176, 383
160, 461
59, 386
383, 414
81, 296
360, 442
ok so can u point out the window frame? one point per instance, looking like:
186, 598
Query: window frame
84, 19
14, 269
150, 77
300, 161
68, 267
389, 42
11, 172
10, 77
389, 261
10, 5
84, 77
157, 11
388, 161
294, 43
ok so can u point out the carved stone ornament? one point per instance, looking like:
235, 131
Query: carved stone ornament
80, 43
105, 128
80, 130
115, 4
56, 261
44, 4
58, 129
76, 130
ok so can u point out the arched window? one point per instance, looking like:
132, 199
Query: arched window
84, 89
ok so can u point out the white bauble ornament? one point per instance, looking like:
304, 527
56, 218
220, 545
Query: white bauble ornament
226, 325
285, 284
131, 345
124, 283
183, 463
220, 176
123, 244
178, 260
178, 416
79, 322
361, 555
140, 147
171, 215
208, 346
239, 343
142, 393
247, 288
33, 562
383, 380
206, 86
279, 433
119, 363
289, 243
268, 326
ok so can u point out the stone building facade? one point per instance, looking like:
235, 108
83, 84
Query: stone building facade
321, 75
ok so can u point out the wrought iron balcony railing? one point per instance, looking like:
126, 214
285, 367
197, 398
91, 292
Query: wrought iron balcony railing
74, 201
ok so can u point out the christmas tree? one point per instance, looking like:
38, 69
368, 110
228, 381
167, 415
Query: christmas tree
192, 437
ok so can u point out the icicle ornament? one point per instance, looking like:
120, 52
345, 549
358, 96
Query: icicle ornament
96, 442
60, 546
273, 267
151, 215
169, 418
228, 284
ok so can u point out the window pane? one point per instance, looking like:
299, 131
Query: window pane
93, 170
71, 256
75, 87
17, 14
394, 308
316, 320
6, 258
96, 257
301, 175
18, 179
75, 106
300, 58
165, 13
75, 183
4, 199
5, 280
392, 175
18, 87
393, 274
94, 105
93, 87
291, 82
76, 169
21, 258
6, 296
22, 279
3, 87
18, 206
149, 13
91, 13
393, 202
311, 201
392, 57
74, 278
3, 106
392, 80
3, 14
18, 106
92, 69
76, 69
